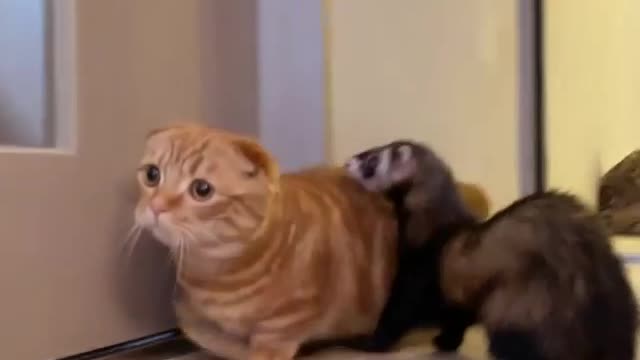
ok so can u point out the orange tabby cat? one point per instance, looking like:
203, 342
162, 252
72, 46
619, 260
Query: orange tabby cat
264, 260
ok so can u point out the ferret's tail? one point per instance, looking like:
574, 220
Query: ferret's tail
475, 198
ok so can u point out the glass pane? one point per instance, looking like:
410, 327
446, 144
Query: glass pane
24, 109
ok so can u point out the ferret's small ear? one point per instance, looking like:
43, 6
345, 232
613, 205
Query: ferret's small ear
405, 152
259, 158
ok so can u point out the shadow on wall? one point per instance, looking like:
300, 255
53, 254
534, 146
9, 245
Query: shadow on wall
137, 261
17, 130
230, 64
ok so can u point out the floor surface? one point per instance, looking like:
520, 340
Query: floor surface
412, 347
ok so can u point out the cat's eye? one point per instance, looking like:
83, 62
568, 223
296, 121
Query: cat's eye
201, 190
151, 175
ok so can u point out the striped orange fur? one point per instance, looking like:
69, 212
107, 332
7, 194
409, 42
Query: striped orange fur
266, 261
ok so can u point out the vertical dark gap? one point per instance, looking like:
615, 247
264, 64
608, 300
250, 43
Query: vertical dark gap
229, 53
49, 58
539, 103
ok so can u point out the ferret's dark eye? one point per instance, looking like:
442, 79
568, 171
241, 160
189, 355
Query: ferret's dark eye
373, 161
201, 190
151, 175
370, 166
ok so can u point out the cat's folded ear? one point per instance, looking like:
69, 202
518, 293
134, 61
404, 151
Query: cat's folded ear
259, 157
173, 126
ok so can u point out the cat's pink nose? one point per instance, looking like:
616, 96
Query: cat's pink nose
158, 205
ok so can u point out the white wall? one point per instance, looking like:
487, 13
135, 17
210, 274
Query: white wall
446, 72
621, 123
23, 108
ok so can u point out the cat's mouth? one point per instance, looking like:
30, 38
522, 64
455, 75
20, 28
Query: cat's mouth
164, 236
159, 226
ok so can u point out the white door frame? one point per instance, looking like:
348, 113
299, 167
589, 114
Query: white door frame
64, 76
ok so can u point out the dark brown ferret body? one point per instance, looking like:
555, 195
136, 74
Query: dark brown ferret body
545, 281
430, 207
540, 275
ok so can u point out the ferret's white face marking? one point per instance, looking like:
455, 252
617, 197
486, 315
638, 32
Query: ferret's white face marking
381, 168
404, 165
384, 163
404, 153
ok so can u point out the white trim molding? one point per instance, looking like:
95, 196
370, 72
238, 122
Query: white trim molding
64, 96
291, 81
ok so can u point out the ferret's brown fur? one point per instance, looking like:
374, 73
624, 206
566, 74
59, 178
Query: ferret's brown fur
545, 281
540, 275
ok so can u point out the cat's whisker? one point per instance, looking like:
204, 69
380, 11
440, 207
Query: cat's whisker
131, 240
179, 259
124, 244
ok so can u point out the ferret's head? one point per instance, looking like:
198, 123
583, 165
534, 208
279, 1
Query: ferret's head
384, 167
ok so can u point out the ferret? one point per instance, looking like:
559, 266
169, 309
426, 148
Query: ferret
421, 187
546, 282
540, 275
429, 206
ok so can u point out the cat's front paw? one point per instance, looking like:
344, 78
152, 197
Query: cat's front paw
273, 350
270, 354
